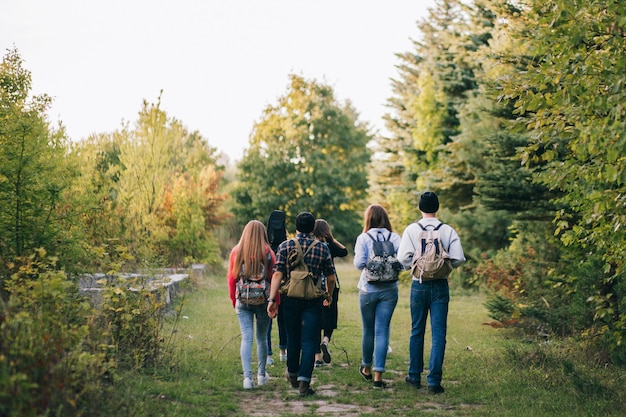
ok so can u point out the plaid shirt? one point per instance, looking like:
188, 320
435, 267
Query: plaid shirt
318, 259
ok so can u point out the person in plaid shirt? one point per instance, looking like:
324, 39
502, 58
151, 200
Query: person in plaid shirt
303, 317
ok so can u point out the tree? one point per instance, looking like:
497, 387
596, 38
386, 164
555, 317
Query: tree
307, 153
570, 97
151, 192
33, 174
436, 80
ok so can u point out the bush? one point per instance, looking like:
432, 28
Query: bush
59, 353
46, 362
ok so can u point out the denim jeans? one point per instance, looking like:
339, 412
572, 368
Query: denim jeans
433, 296
303, 319
376, 310
246, 315
282, 332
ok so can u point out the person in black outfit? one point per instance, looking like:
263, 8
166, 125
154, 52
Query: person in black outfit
322, 232
277, 234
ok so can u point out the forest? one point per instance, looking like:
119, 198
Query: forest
512, 111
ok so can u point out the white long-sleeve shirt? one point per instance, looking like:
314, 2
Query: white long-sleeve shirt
449, 239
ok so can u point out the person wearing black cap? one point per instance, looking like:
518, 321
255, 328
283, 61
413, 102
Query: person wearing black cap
431, 296
303, 318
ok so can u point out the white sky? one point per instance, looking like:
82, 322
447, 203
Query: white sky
218, 62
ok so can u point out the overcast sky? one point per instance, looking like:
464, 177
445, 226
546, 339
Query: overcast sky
218, 62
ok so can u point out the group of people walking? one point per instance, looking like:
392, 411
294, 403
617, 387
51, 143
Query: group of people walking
309, 322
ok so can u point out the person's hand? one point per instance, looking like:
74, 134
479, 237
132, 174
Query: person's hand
272, 309
328, 300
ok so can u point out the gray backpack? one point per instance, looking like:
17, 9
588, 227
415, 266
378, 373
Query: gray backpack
383, 266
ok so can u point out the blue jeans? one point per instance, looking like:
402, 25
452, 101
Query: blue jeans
246, 315
376, 311
303, 319
433, 296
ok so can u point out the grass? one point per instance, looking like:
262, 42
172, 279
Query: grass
486, 371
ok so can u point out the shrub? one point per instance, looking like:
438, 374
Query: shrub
44, 327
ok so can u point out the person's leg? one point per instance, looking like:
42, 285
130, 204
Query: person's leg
387, 301
367, 304
318, 355
333, 315
310, 334
262, 323
293, 322
246, 324
282, 333
318, 349
438, 324
420, 301
270, 360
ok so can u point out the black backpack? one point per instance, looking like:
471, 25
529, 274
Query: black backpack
276, 229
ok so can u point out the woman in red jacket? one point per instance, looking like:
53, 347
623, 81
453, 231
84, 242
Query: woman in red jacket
249, 274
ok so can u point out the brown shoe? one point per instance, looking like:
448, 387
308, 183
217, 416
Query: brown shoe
305, 389
293, 380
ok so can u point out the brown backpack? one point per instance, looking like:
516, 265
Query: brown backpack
300, 282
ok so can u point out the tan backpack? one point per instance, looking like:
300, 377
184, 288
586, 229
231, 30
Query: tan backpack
431, 260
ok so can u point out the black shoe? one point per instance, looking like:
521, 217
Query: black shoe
363, 374
414, 382
305, 389
380, 384
293, 380
319, 364
325, 352
436, 389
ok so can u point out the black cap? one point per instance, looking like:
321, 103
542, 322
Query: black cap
305, 222
429, 203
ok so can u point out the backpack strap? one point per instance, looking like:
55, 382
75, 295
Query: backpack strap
299, 247
379, 233
436, 243
424, 228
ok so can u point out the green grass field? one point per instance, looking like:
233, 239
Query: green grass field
486, 372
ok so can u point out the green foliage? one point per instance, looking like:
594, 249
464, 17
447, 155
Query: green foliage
569, 95
153, 190
512, 111
47, 360
33, 172
308, 153
131, 315
61, 356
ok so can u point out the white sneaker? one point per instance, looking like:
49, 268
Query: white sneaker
263, 379
389, 350
283, 358
269, 361
247, 383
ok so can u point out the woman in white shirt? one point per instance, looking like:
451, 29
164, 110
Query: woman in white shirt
376, 301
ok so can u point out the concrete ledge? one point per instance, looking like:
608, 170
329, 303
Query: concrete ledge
170, 282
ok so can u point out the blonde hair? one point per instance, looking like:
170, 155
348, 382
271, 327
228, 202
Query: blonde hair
321, 230
376, 216
252, 249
